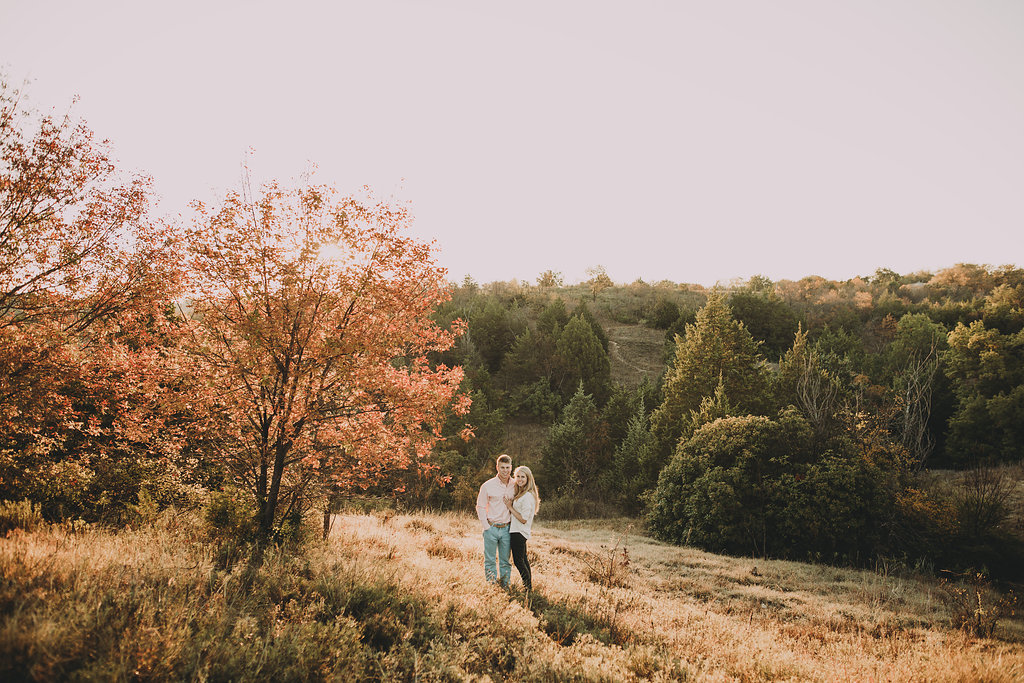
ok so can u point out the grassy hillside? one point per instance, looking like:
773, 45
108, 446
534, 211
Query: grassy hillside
635, 352
402, 597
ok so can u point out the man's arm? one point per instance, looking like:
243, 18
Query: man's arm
481, 507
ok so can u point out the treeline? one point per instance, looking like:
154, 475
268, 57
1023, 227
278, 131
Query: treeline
794, 419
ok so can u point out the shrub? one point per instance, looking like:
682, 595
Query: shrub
982, 501
752, 485
609, 569
229, 514
976, 607
718, 489
536, 400
21, 514
230, 525
663, 314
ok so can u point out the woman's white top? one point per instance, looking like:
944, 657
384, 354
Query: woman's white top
526, 506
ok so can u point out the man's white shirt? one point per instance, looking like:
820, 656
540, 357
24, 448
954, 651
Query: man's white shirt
490, 502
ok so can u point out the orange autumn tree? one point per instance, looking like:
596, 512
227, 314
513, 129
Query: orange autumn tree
83, 273
311, 317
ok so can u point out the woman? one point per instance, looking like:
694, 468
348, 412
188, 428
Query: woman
523, 505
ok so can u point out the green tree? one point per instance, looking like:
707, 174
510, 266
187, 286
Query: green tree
913, 358
887, 279
767, 317
986, 369
492, 333
663, 313
576, 452
1004, 309
804, 381
718, 489
530, 372
553, 318
585, 358
534, 356
624, 403
584, 312
635, 463
716, 349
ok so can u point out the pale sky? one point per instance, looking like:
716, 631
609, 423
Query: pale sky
664, 139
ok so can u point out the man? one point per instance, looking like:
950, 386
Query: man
494, 519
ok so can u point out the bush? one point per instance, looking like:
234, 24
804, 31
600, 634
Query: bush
21, 514
230, 525
982, 501
229, 514
975, 606
752, 485
719, 489
663, 314
536, 400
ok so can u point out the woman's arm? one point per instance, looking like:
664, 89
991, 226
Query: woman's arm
510, 502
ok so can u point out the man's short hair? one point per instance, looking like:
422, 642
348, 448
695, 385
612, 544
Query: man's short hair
503, 458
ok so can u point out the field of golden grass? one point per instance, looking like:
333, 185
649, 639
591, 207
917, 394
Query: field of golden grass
674, 610
402, 597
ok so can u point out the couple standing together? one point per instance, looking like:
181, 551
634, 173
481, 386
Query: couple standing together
506, 505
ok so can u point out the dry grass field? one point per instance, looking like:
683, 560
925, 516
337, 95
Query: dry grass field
402, 597
669, 612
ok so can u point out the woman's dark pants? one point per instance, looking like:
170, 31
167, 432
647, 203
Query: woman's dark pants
518, 542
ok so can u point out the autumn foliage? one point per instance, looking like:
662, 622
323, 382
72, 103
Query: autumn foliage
278, 343
84, 272
310, 317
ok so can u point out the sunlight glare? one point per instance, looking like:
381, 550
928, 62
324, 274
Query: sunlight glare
330, 252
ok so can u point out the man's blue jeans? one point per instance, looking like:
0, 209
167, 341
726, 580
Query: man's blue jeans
496, 541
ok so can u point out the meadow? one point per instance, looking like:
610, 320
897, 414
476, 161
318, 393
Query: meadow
392, 596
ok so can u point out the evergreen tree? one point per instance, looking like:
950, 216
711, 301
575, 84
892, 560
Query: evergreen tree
635, 464
534, 356
585, 358
576, 452
584, 312
553, 318
717, 349
623, 404
767, 317
492, 333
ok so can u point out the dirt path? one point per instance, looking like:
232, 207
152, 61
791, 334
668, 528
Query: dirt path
635, 352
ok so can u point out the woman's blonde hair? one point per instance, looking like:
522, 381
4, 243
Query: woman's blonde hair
531, 486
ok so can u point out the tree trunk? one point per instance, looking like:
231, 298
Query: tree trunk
269, 512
